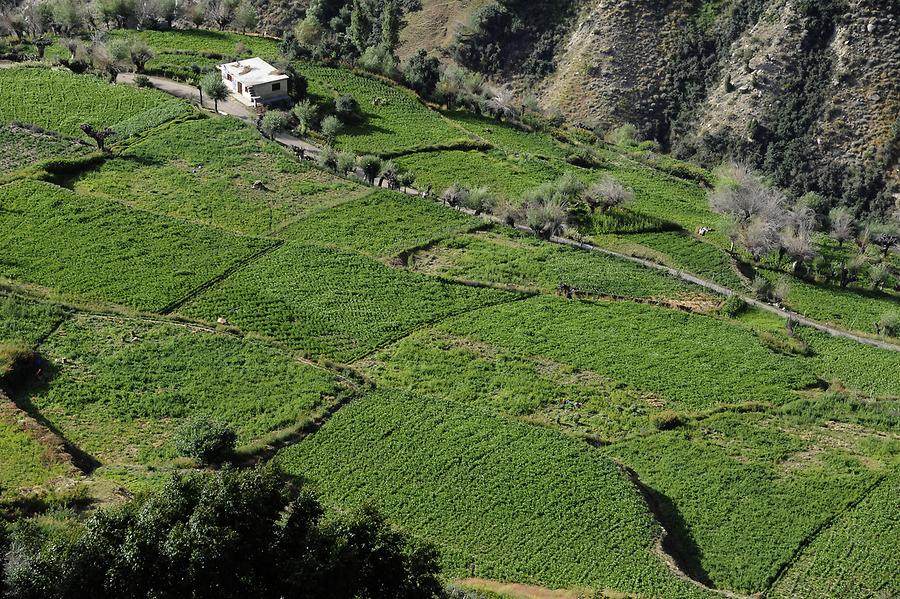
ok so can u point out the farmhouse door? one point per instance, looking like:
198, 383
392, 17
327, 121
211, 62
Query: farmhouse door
240, 88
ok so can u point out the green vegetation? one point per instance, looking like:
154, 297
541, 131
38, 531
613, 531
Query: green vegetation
393, 119
687, 361
853, 309
332, 304
507, 177
381, 224
678, 250
249, 532
104, 251
508, 381
57, 100
202, 41
204, 171
26, 321
25, 462
21, 147
513, 258
502, 500
509, 138
122, 387
742, 492
854, 557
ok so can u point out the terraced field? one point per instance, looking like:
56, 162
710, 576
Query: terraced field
855, 556
393, 119
326, 303
743, 492
21, 147
60, 101
511, 258
122, 386
204, 171
381, 224
396, 352
103, 251
503, 500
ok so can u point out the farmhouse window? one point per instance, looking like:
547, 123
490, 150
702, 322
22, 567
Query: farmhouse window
229, 77
276, 87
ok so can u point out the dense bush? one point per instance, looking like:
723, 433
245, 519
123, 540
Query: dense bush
204, 439
230, 534
733, 307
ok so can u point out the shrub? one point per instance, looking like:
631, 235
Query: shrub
206, 440
331, 126
346, 162
733, 307
274, 122
142, 81
306, 114
623, 135
666, 420
762, 288
888, 324
328, 159
371, 166
347, 109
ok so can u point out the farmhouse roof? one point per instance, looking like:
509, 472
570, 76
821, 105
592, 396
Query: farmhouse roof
253, 71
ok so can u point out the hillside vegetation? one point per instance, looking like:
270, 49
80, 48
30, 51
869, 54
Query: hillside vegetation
432, 339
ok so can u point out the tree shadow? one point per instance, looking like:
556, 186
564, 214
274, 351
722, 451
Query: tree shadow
678, 542
30, 377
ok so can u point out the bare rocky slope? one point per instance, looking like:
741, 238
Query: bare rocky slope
808, 90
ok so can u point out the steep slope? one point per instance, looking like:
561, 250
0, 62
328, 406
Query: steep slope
809, 91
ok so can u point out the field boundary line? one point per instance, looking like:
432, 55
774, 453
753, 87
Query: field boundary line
514, 297
827, 524
240, 265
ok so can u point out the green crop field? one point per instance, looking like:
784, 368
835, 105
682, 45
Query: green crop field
101, 250
204, 171
687, 361
509, 138
25, 463
508, 257
642, 438
25, 321
854, 309
745, 490
437, 364
394, 120
502, 500
855, 557
328, 303
20, 147
381, 224
678, 250
506, 177
57, 100
122, 386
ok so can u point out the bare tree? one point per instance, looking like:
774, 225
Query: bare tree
842, 225
502, 104
455, 195
607, 193
799, 248
546, 217
98, 135
760, 237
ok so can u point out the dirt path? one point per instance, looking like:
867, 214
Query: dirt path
527, 591
228, 106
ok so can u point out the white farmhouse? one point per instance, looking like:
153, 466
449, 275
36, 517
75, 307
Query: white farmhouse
254, 81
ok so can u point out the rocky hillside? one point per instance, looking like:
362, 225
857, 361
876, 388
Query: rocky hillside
808, 90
